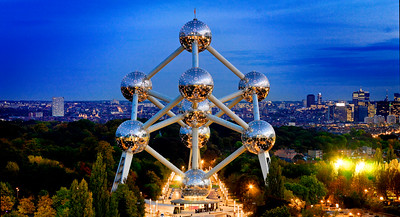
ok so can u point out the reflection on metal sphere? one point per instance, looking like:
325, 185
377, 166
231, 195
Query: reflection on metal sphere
259, 137
131, 136
254, 82
195, 30
186, 136
135, 82
195, 186
195, 117
196, 84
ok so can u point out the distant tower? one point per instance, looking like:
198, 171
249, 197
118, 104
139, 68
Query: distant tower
57, 107
397, 97
319, 99
310, 100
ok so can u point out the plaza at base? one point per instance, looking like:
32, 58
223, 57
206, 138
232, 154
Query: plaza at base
205, 205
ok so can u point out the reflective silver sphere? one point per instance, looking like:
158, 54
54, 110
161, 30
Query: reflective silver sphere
135, 82
195, 186
195, 117
186, 136
131, 136
259, 137
195, 30
196, 84
254, 82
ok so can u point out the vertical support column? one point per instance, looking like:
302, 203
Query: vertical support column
195, 148
265, 161
135, 102
190, 159
256, 109
195, 54
123, 169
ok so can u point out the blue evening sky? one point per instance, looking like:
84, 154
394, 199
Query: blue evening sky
82, 49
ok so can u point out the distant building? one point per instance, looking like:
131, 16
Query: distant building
310, 100
319, 99
397, 97
394, 108
346, 152
379, 119
315, 154
360, 112
350, 112
382, 108
391, 119
285, 153
366, 150
340, 113
369, 120
360, 95
57, 107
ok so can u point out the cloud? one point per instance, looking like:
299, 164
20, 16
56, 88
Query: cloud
392, 44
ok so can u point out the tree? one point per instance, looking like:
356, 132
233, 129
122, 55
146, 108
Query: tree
26, 206
390, 154
61, 202
282, 211
81, 203
7, 196
378, 156
275, 182
316, 189
45, 208
126, 203
98, 185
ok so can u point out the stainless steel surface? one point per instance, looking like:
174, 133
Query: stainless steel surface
161, 106
254, 82
196, 84
194, 185
195, 30
163, 111
226, 161
194, 117
135, 104
259, 137
185, 133
225, 62
228, 112
165, 62
256, 109
195, 54
131, 136
135, 82
163, 160
225, 123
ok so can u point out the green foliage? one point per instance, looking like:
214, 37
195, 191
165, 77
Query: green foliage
7, 198
61, 202
316, 189
275, 182
81, 202
98, 185
282, 211
299, 190
124, 203
45, 208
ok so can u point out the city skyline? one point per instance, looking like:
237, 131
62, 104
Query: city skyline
81, 51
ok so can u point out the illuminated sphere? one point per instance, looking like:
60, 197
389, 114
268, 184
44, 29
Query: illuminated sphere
186, 136
131, 136
135, 82
196, 84
259, 137
194, 185
195, 30
254, 82
195, 117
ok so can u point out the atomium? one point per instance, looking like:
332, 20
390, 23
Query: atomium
254, 82
194, 185
195, 30
196, 84
185, 133
135, 82
258, 137
195, 117
131, 136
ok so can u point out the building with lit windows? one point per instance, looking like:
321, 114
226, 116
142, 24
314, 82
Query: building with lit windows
57, 107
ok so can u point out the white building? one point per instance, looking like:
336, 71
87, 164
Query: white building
57, 107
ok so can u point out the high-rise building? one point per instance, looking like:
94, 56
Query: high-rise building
57, 107
382, 108
360, 112
319, 99
395, 109
360, 95
340, 113
397, 97
310, 100
350, 112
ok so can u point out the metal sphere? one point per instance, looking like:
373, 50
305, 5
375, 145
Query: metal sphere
195, 30
186, 136
135, 82
195, 117
194, 185
254, 82
259, 137
196, 84
131, 136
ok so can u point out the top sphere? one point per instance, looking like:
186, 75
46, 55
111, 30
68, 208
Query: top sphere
131, 136
135, 82
254, 82
196, 84
259, 137
195, 30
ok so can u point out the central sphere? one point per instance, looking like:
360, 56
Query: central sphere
131, 136
195, 117
195, 186
135, 82
186, 136
254, 82
259, 137
196, 84
195, 30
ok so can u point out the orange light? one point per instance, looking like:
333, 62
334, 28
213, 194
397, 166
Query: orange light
251, 186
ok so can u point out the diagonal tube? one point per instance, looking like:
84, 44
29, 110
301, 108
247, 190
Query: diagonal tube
225, 123
164, 123
159, 96
162, 112
164, 161
230, 105
230, 97
225, 162
225, 62
165, 62
227, 111
161, 106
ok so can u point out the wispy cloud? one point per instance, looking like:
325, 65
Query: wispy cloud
392, 44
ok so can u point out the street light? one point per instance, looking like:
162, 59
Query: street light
17, 191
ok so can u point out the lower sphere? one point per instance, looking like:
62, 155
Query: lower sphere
258, 137
131, 136
195, 186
